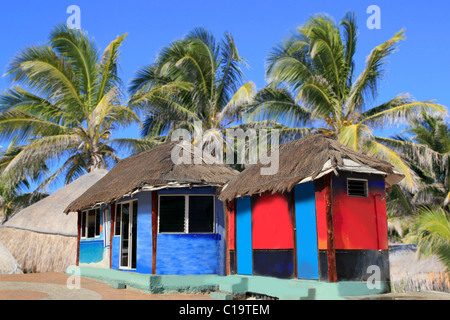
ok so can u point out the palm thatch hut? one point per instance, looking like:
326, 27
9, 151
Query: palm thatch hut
41, 237
8, 265
322, 216
151, 215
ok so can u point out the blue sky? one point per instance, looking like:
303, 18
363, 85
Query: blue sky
420, 67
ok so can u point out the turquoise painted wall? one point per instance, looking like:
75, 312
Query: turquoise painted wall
92, 249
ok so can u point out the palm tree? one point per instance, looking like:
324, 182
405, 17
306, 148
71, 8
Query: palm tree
194, 80
12, 197
64, 106
434, 233
312, 88
425, 146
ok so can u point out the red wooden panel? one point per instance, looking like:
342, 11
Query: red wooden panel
321, 218
231, 209
271, 222
382, 221
359, 222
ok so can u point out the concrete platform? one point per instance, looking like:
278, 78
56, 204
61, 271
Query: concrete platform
225, 287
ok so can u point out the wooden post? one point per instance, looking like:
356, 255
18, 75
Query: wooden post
154, 228
230, 214
291, 203
227, 238
331, 252
78, 237
113, 231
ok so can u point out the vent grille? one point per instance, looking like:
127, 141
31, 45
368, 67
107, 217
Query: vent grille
357, 188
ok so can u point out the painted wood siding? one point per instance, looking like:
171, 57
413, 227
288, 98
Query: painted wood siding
244, 236
359, 222
271, 222
306, 235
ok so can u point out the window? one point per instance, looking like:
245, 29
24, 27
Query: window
357, 188
117, 220
186, 214
90, 224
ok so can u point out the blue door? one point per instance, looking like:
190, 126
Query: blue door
306, 225
244, 236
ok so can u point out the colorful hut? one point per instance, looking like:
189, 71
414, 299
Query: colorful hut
322, 216
41, 237
152, 216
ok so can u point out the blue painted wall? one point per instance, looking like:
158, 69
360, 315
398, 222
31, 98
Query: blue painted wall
305, 219
115, 256
185, 254
144, 233
176, 253
244, 236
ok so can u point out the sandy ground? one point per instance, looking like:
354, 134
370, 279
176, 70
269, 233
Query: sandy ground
53, 286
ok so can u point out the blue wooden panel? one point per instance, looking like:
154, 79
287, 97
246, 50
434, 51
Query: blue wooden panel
186, 254
115, 254
144, 233
244, 236
305, 216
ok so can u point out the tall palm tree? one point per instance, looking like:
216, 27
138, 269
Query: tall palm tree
63, 106
195, 79
312, 87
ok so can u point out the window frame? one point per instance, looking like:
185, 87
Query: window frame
130, 248
186, 212
366, 188
84, 218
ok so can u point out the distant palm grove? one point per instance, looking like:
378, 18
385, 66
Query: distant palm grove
67, 100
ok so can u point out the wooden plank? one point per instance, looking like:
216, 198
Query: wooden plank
235, 232
244, 236
227, 236
291, 203
78, 237
113, 230
272, 224
154, 228
306, 226
331, 252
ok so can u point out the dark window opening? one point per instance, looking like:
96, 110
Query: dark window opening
201, 214
171, 213
186, 214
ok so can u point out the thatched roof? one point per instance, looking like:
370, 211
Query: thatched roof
46, 215
305, 160
41, 237
8, 265
153, 168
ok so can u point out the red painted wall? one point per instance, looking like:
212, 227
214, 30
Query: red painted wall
271, 222
359, 222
